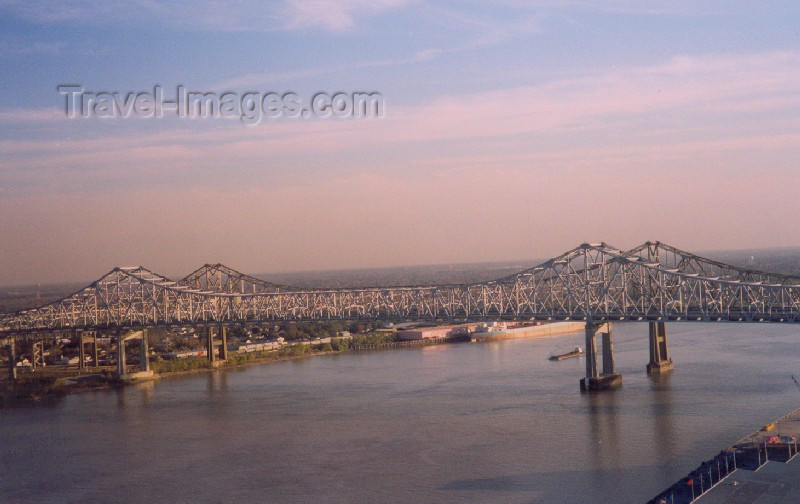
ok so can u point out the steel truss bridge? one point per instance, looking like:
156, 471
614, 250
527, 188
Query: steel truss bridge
592, 282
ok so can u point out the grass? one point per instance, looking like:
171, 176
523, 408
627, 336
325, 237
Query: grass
290, 351
180, 365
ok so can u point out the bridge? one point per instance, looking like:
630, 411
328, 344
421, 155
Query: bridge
595, 283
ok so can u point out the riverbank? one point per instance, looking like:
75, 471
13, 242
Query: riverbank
34, 388
37, 387
40, 387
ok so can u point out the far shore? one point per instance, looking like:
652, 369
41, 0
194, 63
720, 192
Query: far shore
33, 388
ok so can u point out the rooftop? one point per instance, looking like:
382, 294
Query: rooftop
773, 483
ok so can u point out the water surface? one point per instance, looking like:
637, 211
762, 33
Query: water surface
486, 422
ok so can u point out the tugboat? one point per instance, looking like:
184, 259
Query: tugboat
576, 352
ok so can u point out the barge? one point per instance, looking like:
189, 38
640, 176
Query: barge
575, 352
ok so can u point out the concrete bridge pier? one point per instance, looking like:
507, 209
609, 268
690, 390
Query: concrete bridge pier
81, 352
95, 353
211, 345
223, 343
660, 361
609, 378
144, 361
83, 340
144, 354
12, 360
121, 364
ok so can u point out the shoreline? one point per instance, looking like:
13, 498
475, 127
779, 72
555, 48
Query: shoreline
29, 392
50, 387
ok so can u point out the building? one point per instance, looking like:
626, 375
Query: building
433, 332
183, 354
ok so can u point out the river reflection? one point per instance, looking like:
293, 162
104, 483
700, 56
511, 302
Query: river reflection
664, 427
486, 422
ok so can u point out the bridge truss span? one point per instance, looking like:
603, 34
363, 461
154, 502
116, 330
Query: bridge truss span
221, 278
593, 282
671, 257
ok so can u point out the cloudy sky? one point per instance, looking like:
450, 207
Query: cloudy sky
511, 130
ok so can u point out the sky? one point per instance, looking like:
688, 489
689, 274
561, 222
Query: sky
510, 130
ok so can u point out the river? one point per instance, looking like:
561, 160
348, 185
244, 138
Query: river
484, 422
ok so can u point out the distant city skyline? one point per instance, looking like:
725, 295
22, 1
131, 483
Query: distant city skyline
512, 131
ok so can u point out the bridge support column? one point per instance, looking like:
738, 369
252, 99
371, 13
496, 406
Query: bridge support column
121, 364
608, 352
660, 361
223, 343
609, 378
144, 355
211, 344
144, 363
12, 360
591, 352
81, 352
95, 357
37, 354
83, 340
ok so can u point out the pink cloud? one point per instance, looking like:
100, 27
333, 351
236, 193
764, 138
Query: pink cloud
523, 172
333, 15
619, 97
